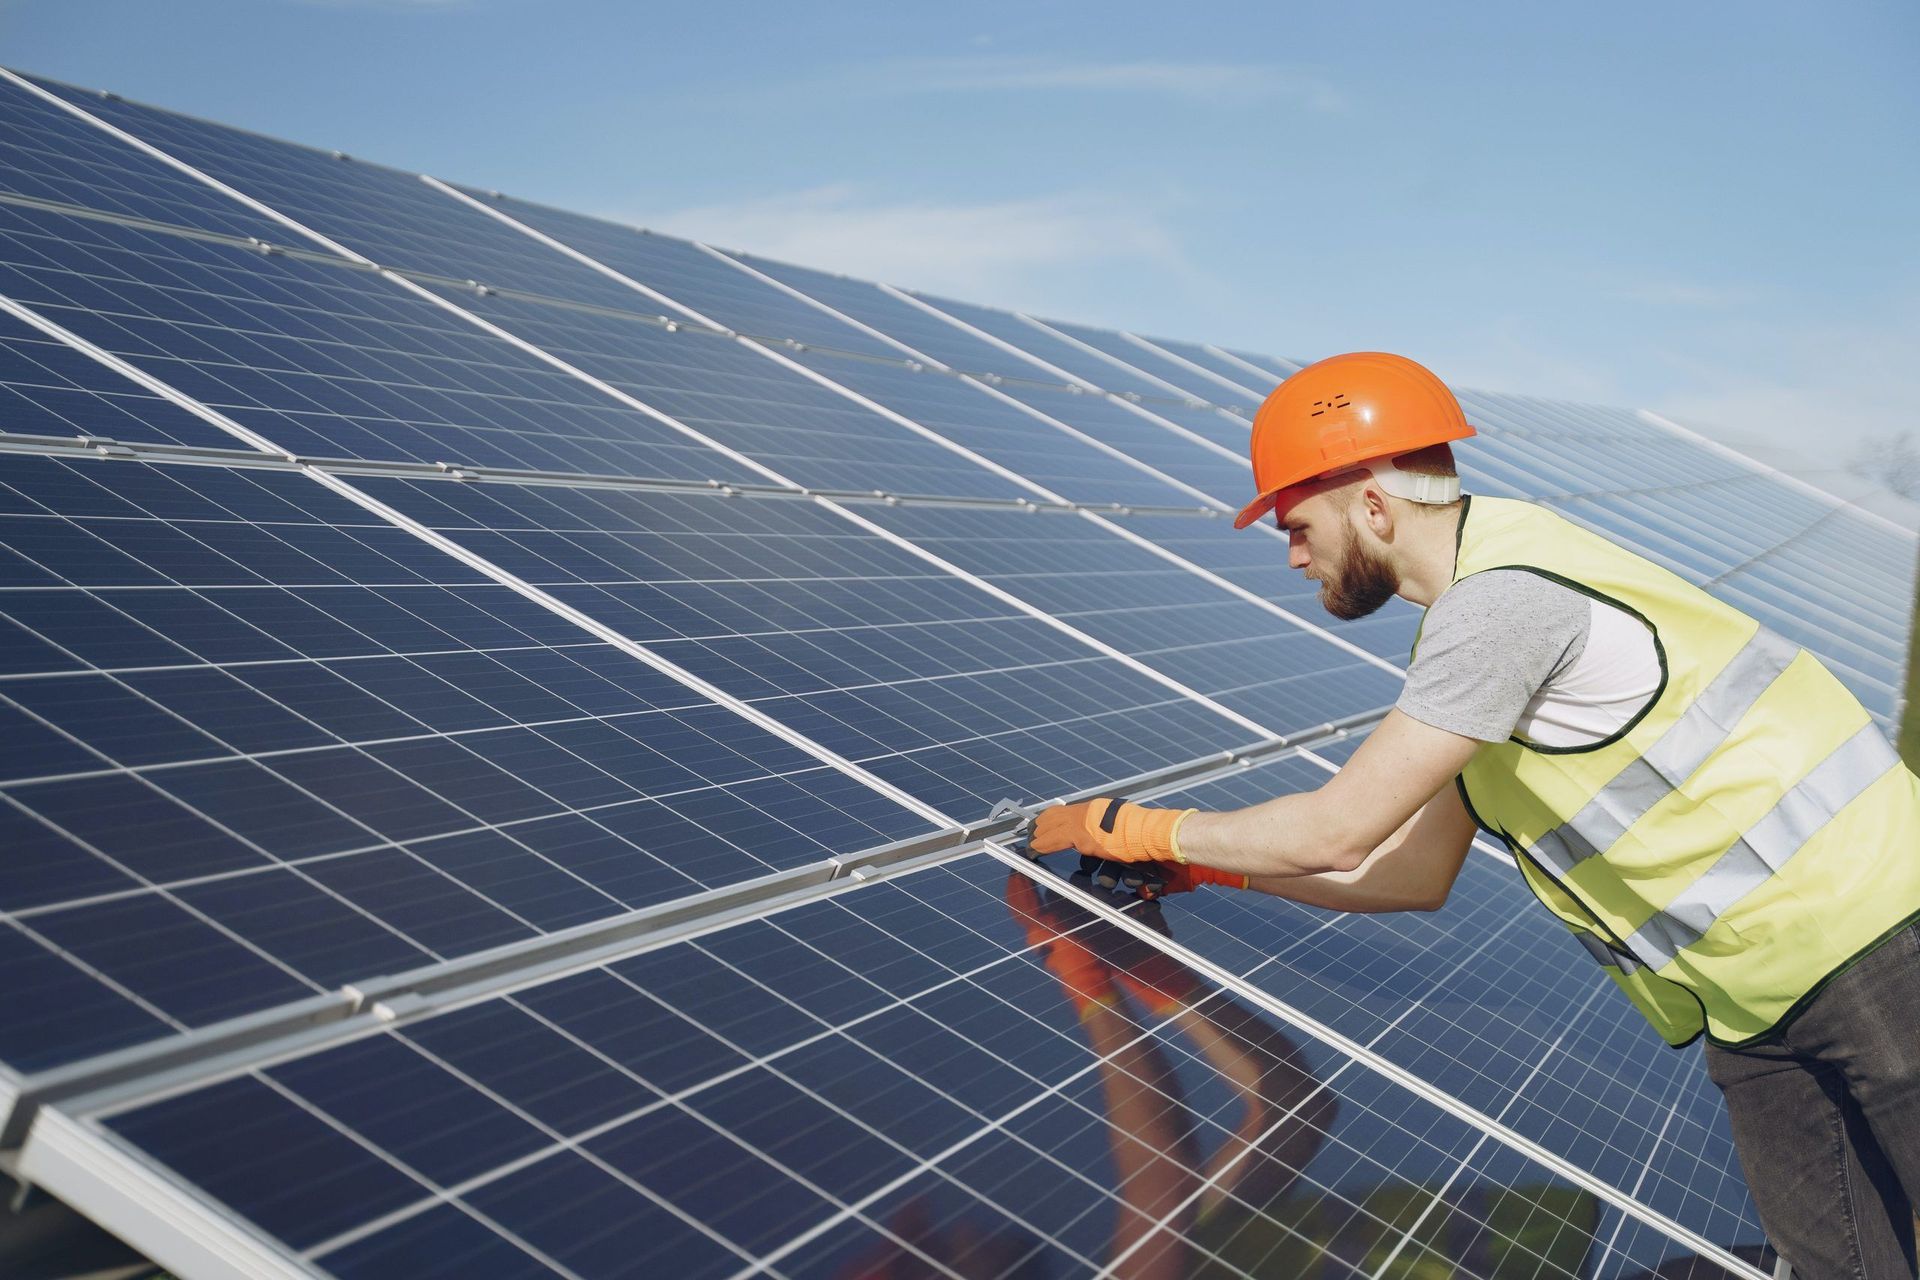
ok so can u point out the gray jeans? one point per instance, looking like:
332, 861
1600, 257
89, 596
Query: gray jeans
1826, 1116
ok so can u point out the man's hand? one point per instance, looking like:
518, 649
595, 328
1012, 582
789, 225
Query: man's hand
1110, 828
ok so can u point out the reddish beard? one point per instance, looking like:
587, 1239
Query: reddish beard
1361, 584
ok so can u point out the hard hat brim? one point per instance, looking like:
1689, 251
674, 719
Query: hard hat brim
1256, 509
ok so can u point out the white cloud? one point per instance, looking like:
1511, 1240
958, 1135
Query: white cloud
988, 251
1213, 82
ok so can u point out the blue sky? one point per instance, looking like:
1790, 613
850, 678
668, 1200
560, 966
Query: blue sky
1707, 209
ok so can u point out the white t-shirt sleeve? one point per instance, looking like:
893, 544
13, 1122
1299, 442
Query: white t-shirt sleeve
1488, 645
1512, 654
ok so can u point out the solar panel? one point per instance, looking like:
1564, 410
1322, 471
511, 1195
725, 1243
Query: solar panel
498, 747
834, 1107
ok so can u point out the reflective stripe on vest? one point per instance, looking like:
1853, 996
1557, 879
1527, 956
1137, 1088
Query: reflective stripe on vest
1671, 760
1603, 951
1767, 845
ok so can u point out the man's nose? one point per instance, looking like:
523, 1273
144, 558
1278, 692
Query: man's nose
1296, 550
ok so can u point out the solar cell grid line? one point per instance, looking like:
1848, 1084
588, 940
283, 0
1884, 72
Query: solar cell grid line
1467, 1162
1158, 611
935, 660
1242, 388
192, 133
46, 154
1003, 435
945, 901
895, 319
681, 270
608, 389
780, 477
1332, 1037
1687, 433
1216, 426
477, 320
47, 388
325, 360
665, 298
1035, 342
417, 766
727, 391
334, 199
1491, 1030
1065, 472
1269, 366
850, 378
799, 1065
1076, 337
1098, 415
1195, 464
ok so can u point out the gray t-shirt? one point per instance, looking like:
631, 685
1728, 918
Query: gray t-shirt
1489, 644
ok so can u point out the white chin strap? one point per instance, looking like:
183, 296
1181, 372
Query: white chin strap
1434, 491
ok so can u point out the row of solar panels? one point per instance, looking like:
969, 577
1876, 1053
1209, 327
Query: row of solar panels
273, 730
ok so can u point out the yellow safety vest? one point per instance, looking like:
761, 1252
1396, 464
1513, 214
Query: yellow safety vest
1742, 840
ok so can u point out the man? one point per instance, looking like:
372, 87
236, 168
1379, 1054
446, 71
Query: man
1712, 814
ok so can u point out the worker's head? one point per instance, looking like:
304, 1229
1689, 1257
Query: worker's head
1347, 453
1344, 531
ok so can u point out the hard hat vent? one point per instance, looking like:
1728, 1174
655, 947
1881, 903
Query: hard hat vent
1338, 400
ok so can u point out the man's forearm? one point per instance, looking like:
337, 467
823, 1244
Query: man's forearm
1411, 870
1286, 836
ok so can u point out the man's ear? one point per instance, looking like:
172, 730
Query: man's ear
1377, 510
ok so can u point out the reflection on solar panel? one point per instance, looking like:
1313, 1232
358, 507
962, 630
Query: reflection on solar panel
500, 721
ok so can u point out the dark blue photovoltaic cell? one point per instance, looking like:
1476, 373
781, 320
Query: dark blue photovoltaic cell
48, 388
694, 278
386, 214
1182, 380
327, 360
1254, 662
937, 687
50, 154
975, 418
1056, 351
809, 434
941, 1068
262, 743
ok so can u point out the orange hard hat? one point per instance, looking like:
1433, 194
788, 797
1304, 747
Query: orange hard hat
1342, 412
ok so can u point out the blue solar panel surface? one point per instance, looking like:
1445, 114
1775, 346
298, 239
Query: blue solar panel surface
270, 733
260, 742
928, 1072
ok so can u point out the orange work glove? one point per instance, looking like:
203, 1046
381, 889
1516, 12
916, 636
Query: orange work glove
1110, 828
